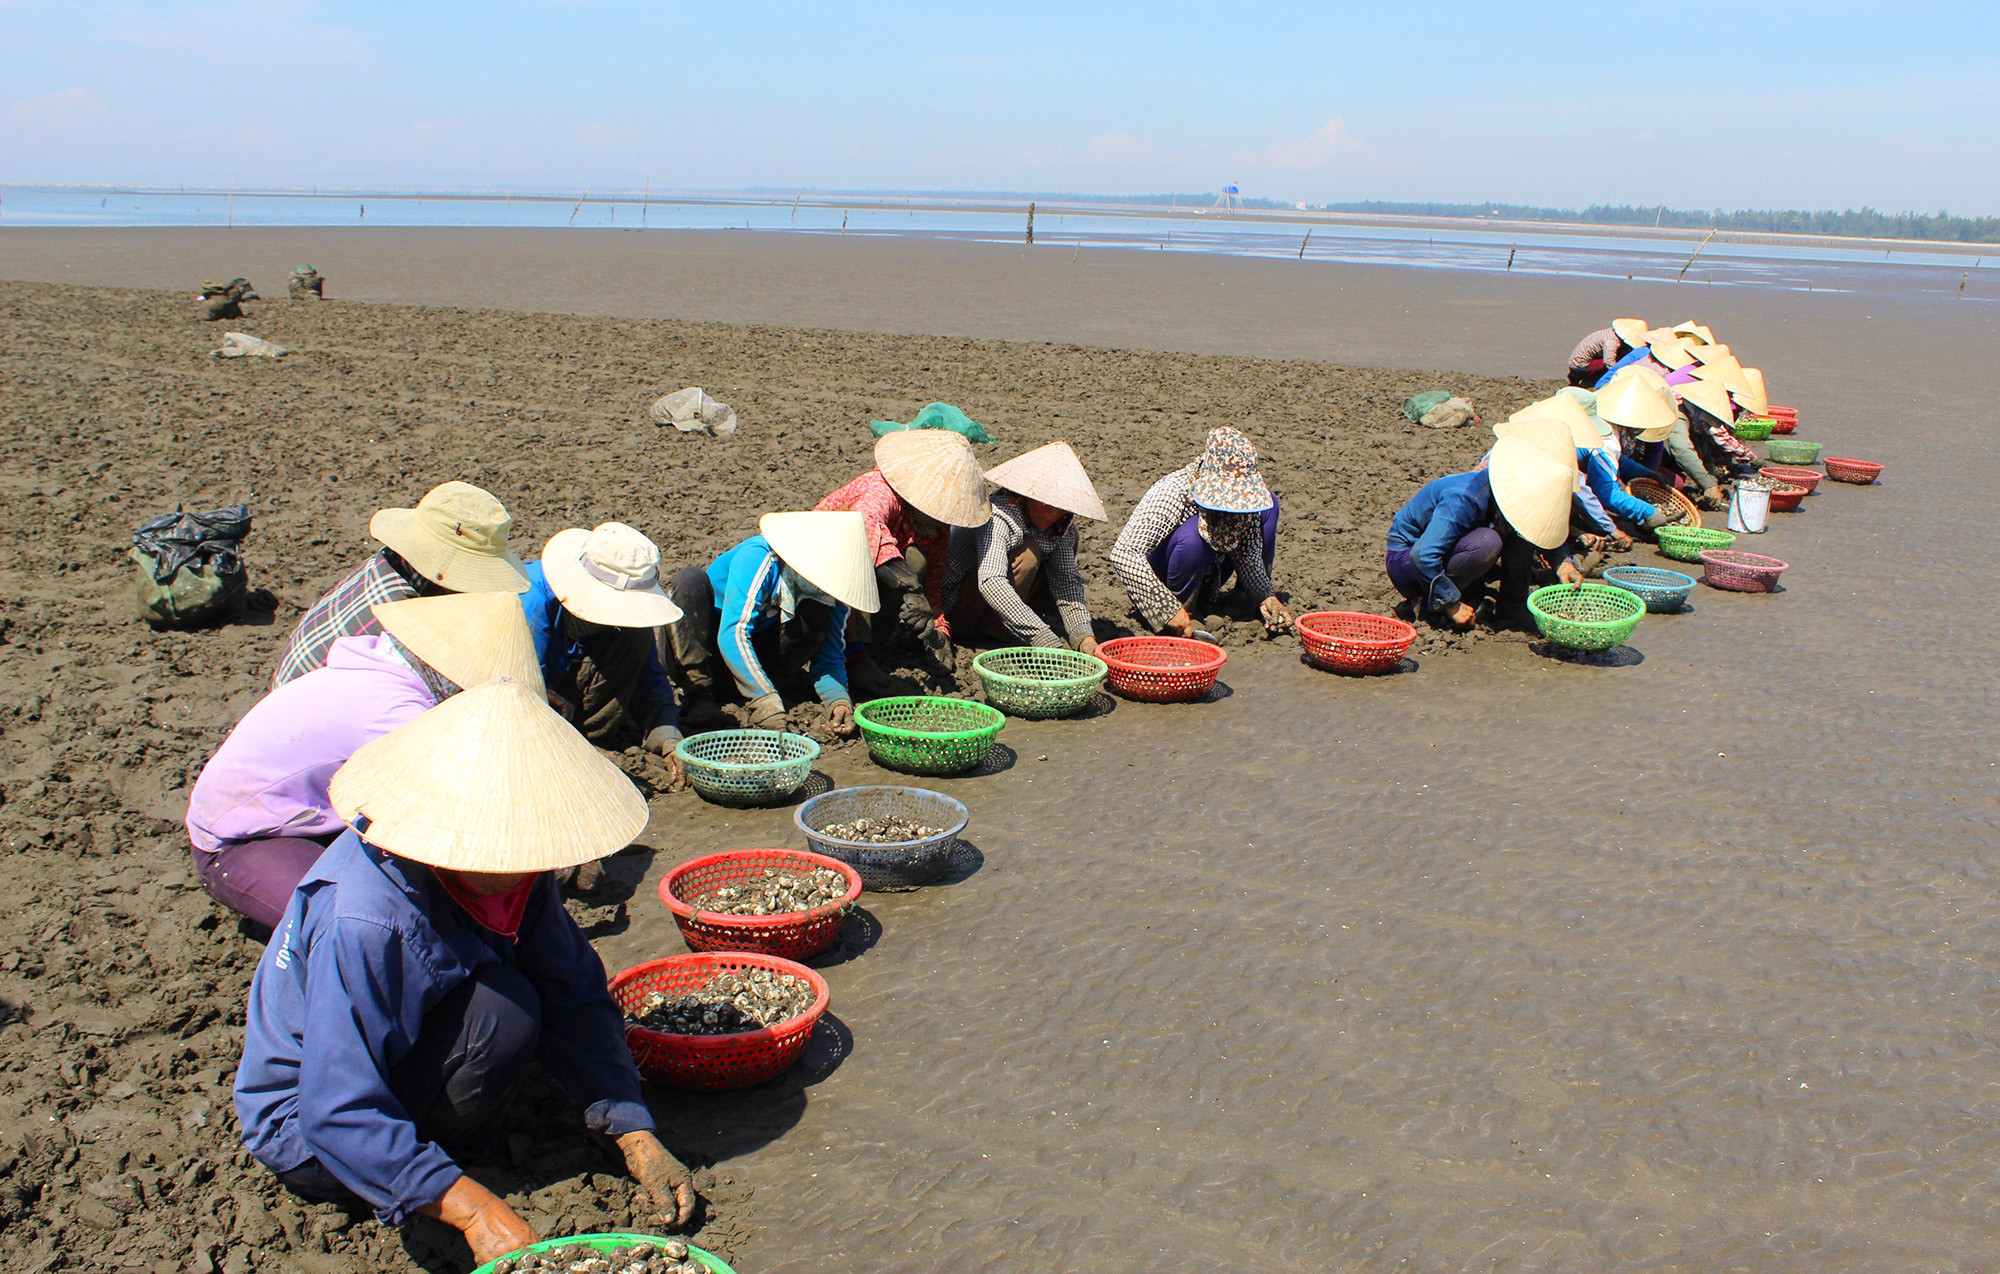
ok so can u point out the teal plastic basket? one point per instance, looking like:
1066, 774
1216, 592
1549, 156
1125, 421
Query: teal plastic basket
747, 767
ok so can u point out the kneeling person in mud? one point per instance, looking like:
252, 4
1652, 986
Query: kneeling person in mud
1001, 577
925, 483
775, 603
426, 960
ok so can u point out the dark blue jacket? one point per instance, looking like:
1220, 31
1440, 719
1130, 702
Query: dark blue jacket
368, 944
1434, 520
558, 654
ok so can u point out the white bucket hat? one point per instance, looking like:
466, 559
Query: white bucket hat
935, 470
608, 576
1053, 475
470, 638
491, 780
1533, 489
830, 550
457, 537
1637, 399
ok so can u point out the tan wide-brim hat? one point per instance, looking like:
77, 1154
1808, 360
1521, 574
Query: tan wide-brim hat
830, 550
935, 470
491, 780
1670, 350
1533, 489
1630, 330
471, 638
1710, 396
457, 537
1637, 399
1756, 400
1053, 475
609, 576
1582, 428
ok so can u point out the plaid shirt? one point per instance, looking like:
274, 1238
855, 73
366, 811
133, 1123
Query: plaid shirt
890, 533
346, 611
980, 556
1163, 508
1730, 444
1601, 344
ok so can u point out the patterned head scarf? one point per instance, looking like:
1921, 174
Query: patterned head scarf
1226, 478
1228, 532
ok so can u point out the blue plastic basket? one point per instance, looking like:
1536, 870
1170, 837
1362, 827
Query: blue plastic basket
1662, 591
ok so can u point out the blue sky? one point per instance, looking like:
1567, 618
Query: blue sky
1773, 105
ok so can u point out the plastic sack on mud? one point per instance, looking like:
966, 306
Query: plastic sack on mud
692, 411
244, 345
936, 416
190, 565
1415, 407
1450, 414
306, 284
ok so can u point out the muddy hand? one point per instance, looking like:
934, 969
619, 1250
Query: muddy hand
1569, 574
1181, 625
664, 1177
1277, 619
491, 1228
840, 718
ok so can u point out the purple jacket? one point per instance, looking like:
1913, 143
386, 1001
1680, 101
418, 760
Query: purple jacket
270, 776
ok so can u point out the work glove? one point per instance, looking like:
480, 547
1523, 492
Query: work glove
661, 741
491, 1228
1657, 520
766, 712
664, 1178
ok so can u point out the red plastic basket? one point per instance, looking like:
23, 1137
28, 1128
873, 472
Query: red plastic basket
1161, 669
1349, 641
1842, 469
1741, 572
1783, 419
796, 935
713, 1063
1786, 498
1807, 478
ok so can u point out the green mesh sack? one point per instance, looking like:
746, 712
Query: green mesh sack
1415, 408
936, 416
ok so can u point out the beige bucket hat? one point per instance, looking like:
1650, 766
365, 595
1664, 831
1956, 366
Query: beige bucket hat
935, 470
1630, 330
610, 576
491, 780
1710, 396
1582, 426
457, 537
1637, 398
1533, 489
471, 638
1756, 399
830, 550
1053, 475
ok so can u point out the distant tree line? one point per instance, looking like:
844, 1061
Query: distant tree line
1862, 223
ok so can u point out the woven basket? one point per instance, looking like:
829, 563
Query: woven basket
1038, 681
795, 935
1680, 510
1792, 450
924, 734
1351, 642
1753, 429
1162, 669
1685, 543
1807, 478
1859, 472
1741, 572
1586, 616
713, 1063
1783, 419
1663, 591
611, 1243
903, 865
747, 767
1786, 498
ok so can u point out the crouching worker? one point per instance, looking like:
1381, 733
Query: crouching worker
1002, 577
259, 815
427, 959
1193, 530
1461, 533
777, 602
925, 483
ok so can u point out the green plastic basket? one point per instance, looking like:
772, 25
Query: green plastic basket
747, 767
924, 734
1753, 429
1586, 616
1685, 543
610, 1242
1038, 681
1792, 450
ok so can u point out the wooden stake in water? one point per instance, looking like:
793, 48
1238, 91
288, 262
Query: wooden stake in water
1031, 225
1302, 244
795, 202
579, 205
1079, 249
1692, 256
1510, 257
645, 202
232, 210
843, 221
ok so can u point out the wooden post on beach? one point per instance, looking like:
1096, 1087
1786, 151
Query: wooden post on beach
795, 202
1692, 256
232, 210
1302, 244
645, 202
1961, 284
579, 205
1031, 225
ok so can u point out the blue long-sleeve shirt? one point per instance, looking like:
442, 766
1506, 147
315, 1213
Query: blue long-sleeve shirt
745, 580
1636, 356
1602, 479
1434, 521
558, 653
368, 944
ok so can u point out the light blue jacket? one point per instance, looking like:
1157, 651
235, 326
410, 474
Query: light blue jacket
745, 580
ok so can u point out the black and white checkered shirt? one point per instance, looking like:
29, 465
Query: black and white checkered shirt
1168, 503
981, 555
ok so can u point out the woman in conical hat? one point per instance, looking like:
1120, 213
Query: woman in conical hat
1603, 348
1000, 577
1706, 413
775, 605
1447, 545
1600, 496
925, 483
259, 815
1193, 530
426, 960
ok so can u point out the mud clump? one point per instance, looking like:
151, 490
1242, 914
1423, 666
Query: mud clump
745, 1000
775, 893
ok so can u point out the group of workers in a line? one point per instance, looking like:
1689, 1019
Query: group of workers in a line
394, 808
1550, 497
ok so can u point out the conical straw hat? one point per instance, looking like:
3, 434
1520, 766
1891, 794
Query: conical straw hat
469, 637
1630, 330
1533, 489
1582, 428
1710, 396
830, 550
1726, 370
1698, 331
491, 780
1710, 353
1053, 475
1756, 400
1671, 351
935, 470
1637, 398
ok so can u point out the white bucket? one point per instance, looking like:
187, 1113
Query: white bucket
1749, 509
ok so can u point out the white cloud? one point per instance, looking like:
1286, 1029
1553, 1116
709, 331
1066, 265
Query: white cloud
596, 134
64, 107
1119, 148
1329, 144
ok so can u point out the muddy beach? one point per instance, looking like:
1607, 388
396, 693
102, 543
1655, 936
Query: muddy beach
1676, 962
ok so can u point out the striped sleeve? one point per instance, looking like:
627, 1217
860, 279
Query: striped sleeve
1168, 503
998, 539
1066, 586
